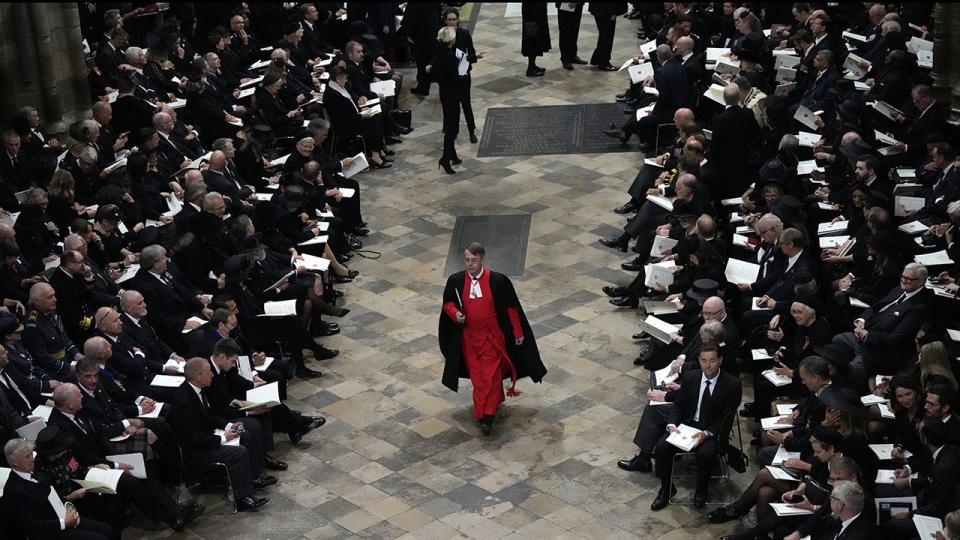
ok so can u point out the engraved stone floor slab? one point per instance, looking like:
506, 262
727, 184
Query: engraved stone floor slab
503, 237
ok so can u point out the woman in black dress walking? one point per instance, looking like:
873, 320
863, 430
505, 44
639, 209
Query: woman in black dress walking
446, 69
464, 42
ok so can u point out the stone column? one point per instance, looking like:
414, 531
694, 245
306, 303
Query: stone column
946, 55
42, 63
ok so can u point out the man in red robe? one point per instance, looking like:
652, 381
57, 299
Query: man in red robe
484, 335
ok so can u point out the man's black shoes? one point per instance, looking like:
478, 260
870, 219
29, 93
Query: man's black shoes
638, 463
614, 243
249, 504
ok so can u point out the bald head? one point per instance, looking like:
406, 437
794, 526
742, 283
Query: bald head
683, 115
193, 176
66, 398
731, 94
713, 309
684, 45
96, 347
6, 231
218, 160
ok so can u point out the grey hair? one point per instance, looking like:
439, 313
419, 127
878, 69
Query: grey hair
890, 26
95, 346
664, 52
850, 494
132, 54
193, 191
790, 142
127, 297
772, 220
88, 153
28, 110
713, 332
151, 255
221, 143
318, 124
15, 447
209, 199
921, 270
62, 393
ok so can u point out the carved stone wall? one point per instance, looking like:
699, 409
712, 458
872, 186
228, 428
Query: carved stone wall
946, 54
42, 62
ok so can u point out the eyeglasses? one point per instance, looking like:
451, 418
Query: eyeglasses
907, 278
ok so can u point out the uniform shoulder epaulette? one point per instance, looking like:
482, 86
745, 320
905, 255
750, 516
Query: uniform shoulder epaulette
32, 316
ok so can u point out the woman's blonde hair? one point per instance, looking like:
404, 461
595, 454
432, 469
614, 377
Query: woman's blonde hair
935, 361
62, 184
447, 35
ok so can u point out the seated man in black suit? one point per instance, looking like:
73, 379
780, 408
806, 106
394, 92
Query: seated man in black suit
229, 386
90, 451
849, 520
206, 438
130, 361
934, 488
25, 503
707, 397
172, 299
137, 328
800, 268
218, 180
882, 339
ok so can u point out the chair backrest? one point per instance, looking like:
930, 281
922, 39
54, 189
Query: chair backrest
665, 135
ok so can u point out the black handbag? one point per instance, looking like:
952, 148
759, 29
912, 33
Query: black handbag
403, 117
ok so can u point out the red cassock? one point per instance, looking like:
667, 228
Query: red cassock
484, 348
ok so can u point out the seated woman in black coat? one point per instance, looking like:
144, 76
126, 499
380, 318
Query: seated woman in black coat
347, 120
284, 122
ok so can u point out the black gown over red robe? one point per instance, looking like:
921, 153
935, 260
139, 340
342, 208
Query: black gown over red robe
525, 358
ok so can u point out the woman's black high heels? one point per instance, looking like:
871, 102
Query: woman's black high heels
445, 167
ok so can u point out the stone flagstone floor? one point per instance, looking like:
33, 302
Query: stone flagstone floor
400, 456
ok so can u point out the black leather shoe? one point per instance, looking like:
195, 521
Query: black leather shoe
391, 139
616, 134
633, 266
297, 435
614, 292
578, 60
538, 72
388, 152
614, 243
638, 463
473, 138
723, 514
307, 373
185, 515
264, 481
642, 359
607, 67
628, 208
404, 130
375, 165
323, 353
640, 336
315, 422
327, 330
700, 498
747, 410
625, 301
486, 425
622, 98
662, 499
343, 257
361, 231
273, 463
250, 504
445, 167
567, 65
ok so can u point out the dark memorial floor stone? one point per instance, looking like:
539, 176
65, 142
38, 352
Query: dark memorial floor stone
504, 237
552, 129
503, 85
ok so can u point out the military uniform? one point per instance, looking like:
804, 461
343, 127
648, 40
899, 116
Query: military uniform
46, 339
22, 361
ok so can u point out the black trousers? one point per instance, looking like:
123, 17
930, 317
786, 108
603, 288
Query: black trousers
465, 103
238, 462
606, 27
569, 23
149, 496
450, 102
653, 423
87, 529
705, 455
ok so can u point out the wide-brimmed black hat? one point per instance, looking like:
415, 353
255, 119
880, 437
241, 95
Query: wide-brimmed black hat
855, 149
809, 301
51, 441
835, 355
703, 289
235, 268
827, 435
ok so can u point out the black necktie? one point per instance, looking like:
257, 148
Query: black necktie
900, 299
703, 400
